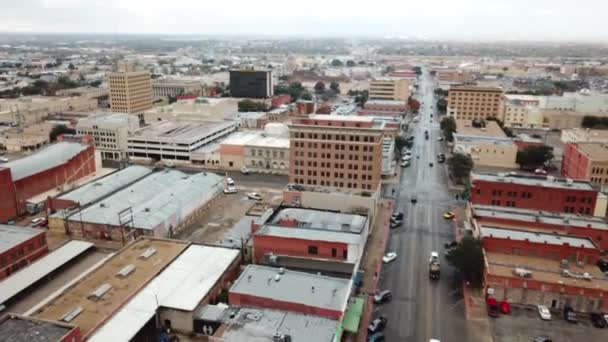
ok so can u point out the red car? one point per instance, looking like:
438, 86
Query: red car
505, 308
492, 306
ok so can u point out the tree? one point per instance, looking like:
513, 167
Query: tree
362, 63
417, 70
413, 104
320, 87
306, 96
71, 67
433, 72
460, 166
400, 144
350, 63
59, 130
295, 90
247, 105
534, 156
336, 63
467, 257
448, 126
442, 105
335, 86
95, 83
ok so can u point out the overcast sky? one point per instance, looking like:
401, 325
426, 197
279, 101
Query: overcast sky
436, 19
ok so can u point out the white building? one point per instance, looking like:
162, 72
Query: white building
175, 88
388, 156
110, 132
197, 109
584, 135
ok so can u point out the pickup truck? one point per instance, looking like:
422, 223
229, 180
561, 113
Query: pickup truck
434, 270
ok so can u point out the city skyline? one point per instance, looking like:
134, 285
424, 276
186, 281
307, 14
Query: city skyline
465, 20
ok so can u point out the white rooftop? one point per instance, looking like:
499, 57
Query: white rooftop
11, 236
45, 159
535, 237
353, 118
115, 118
259, 139
321, 220
310, 234
182, 286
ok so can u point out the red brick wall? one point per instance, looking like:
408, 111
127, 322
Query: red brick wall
574, 163
334, 123
541, 198
8, 203
263, 244
20, 256
522, 145
555, 252
72, 336
239, 299
280, 100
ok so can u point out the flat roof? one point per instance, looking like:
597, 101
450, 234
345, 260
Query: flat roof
181, 286
473, 140
536, 216
516, 97
320, 220
11, 236
161, 198
106, 117
310, 234
545, 270
102, 187
45, 159
15, 328
40, 268
331, 117
294, 287
544, 181
595, 151
249, 115
386, 102
259, 139
183, 131
103, 291
259, 325
491, 129
474, 88
535, 237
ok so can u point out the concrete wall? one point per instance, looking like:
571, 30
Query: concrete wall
263, 245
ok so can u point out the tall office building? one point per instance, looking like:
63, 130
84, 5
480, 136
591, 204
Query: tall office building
336, 151
388, 88
251, 83
130, 91
470, 102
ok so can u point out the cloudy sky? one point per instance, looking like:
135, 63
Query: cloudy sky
441, 19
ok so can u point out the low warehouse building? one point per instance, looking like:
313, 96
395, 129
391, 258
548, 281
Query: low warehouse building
19, 246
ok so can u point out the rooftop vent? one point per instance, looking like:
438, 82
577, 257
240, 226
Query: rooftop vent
70, 315
148, 253
101, 290
125, 271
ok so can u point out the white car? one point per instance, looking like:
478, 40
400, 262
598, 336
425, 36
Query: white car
440, 139
389, 257
37, 220
434, 256
405, 163
230, 190
4, 160
245, 170
407, 157
229, 181
254, 196
544, 313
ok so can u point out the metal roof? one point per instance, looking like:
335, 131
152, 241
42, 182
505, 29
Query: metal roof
25, 329
544, 181
102, 187
164, 197
181, 286
327, 220
310, 234
45, 159
294, 287
40, 268
11, 236
535, 237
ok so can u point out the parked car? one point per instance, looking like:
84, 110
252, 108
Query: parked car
405, 163
597, 320
245, 170
440, 139
540, 172
37, 221
389, 257
542, 339
505, 308
431, 164
383, 297
544, 313
230, 190
570, 315
397, 215
448, 215
230, 181
450, 244
492, 307
3, 159
254, 196
396, 223
406, 157
414, 199
377, 337
377, 325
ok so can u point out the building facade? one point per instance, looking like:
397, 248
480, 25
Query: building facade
470, 102
258, 152
251, 83
336, 151
19, 247
174, 89
389, 88
110, 133
485, 143
130, 91
584, 135
586, 161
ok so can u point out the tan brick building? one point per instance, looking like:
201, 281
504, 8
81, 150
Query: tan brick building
336, 151
130, 91
389, 88
470, 102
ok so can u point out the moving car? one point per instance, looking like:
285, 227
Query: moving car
389, 257
230, 190
414, 199
406, 157
383, 297
405, 163
396, 223
254, 196
450, 244
431, 164
440, 139
434, 257
230, 181
377, 337
448, 215
544, 313
377, 325
597, 320
570, 315
542, 339
540, 172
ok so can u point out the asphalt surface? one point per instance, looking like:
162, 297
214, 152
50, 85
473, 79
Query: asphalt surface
422, 309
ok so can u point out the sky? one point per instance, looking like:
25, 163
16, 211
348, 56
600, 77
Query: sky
555, 20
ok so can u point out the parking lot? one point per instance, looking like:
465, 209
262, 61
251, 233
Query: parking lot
524, 324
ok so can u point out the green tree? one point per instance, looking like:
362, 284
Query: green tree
336, 63
400, 144
417, 70
306, 96
247, 105
59, 130
448, 126
467, 257
320, 87
460, 166
71, 67
442, 105
350, 63
534, 156
433, 72
95, 83
335, 86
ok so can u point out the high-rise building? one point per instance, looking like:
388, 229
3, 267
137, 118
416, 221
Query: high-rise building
251, 83
470, 102
336, 151
130, 91
388, 88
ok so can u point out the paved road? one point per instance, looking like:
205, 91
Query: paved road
422, 309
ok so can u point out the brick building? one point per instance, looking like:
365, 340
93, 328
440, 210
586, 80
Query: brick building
534, 192
586, 161
19, 246
53, 167
336, 151
469, 102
